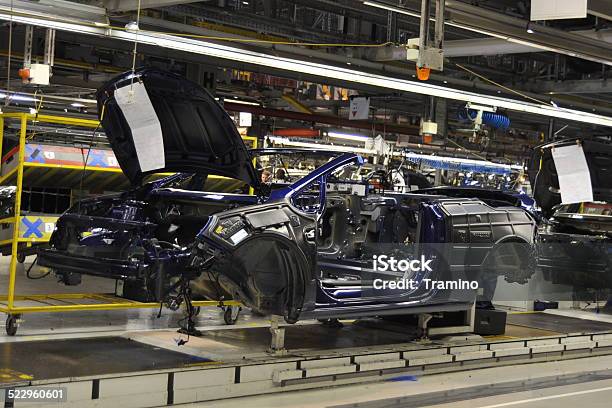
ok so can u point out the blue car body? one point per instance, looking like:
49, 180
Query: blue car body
299, 251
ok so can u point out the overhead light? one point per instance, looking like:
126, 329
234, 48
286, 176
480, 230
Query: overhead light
132, 26
529, 29
241, 102
345, 74
357, 138
77, 105
392, 8
17, 97
283, 141
30, 97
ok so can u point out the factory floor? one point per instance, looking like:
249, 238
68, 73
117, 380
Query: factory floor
583, 382
98, 342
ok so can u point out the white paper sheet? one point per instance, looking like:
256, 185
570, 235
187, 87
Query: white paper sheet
137, 108
573, 172
359, 108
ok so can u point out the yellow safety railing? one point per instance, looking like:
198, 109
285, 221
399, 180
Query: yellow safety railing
66, 301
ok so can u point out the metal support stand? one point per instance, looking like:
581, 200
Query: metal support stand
49, 57
430, 50
423, 330
277, 346
231, 314
189, 327
27, 47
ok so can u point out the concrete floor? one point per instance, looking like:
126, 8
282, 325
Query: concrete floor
93, 323
584, 381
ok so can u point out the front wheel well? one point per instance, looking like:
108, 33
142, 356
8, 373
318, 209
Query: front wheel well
268, 273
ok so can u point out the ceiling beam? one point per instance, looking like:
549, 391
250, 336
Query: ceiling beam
512, 29
591, 86
600, 8
129, 5
324, 119
67, 10
499, 46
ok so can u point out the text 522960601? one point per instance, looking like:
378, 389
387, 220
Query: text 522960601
35, 394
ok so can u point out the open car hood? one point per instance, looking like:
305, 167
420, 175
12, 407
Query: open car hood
545, 182
198, 135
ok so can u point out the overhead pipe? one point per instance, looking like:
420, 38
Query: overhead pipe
494, 120
497, 46
360, 62
326, 119
297, 132
312, 69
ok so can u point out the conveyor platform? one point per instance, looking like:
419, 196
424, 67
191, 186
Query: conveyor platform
148, 368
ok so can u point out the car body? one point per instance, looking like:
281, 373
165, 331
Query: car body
575, 241
301, 251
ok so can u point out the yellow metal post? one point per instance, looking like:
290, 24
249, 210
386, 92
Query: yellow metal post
47, 302
17, 214
1, 136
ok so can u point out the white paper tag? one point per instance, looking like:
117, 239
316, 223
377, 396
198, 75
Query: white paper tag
239, 236
573, 173
359, 108
137, 108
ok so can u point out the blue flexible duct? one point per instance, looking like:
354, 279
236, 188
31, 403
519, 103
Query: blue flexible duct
495, 120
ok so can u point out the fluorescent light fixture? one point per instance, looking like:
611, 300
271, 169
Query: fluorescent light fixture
389, 7
17, 97
355, 138
30, 97
283, 141
77, 105
132, 25
238, 101
241, 102
345, 74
